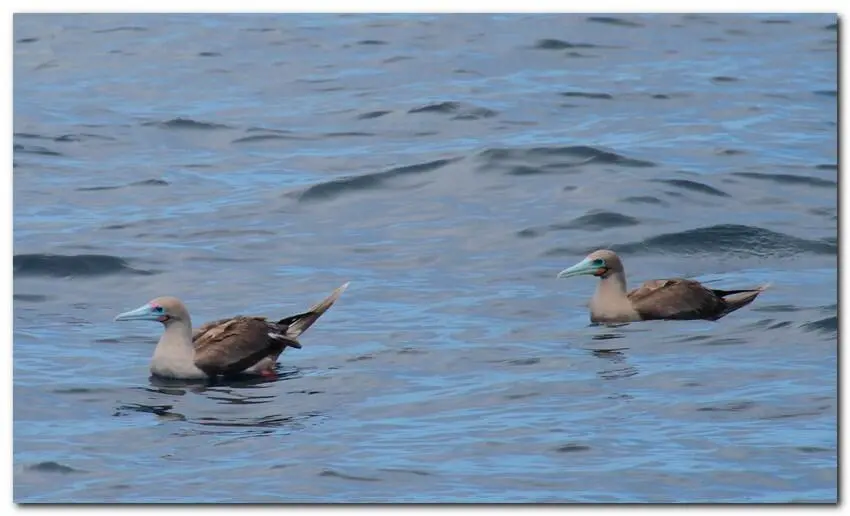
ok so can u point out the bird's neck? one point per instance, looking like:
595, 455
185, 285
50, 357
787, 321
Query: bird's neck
612, 286
174, 356
611, 303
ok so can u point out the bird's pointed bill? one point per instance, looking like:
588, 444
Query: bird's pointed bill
143, 313
583, 267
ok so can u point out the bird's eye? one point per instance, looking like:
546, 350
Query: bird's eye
158, 309
599, 262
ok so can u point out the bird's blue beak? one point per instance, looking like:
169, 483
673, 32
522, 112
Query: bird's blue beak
583, 267
143, 313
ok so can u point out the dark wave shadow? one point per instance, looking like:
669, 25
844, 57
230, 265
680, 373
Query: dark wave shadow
34, 149
55, 265
348, 134
543, 160
725, 239
374, 181
644, 199
601, 219
732, 406
594, 220
372, 114
693, 186
459, 110
559, 44
789, 179
54, 467
346, 476
733, 239
611, 20
128, 28
724, 78
776, 308
587, 95
262, 134
828, 325
29, 298
826, 93
257, 138
185, 123
70, 137
146, 182
230, 233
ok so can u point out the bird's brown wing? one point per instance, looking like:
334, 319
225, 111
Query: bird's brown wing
675, 299
208, 326
236, 344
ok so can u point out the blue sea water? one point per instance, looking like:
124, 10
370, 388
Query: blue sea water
448, 166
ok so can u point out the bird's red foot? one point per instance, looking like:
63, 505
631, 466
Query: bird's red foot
268, 373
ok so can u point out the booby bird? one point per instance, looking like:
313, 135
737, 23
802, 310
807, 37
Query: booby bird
241, 344
674, 299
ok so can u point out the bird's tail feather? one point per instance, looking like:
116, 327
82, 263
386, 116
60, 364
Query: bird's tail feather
736, 299
298, 324
724, 293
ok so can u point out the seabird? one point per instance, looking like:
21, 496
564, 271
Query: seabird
241, 344
672, 299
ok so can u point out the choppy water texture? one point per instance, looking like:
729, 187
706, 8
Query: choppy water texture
449, 166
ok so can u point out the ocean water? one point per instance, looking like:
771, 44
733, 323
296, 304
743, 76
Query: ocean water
448, 166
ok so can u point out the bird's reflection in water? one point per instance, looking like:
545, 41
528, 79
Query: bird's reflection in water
224, 431
161, 411
229, 395
608, 325
270, 421
177, 387
616, 366
237, 390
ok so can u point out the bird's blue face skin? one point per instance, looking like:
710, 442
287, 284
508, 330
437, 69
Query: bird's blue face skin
146, 312
596, 267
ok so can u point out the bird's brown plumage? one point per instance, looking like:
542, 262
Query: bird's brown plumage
237, 344
683, 299
234, 344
